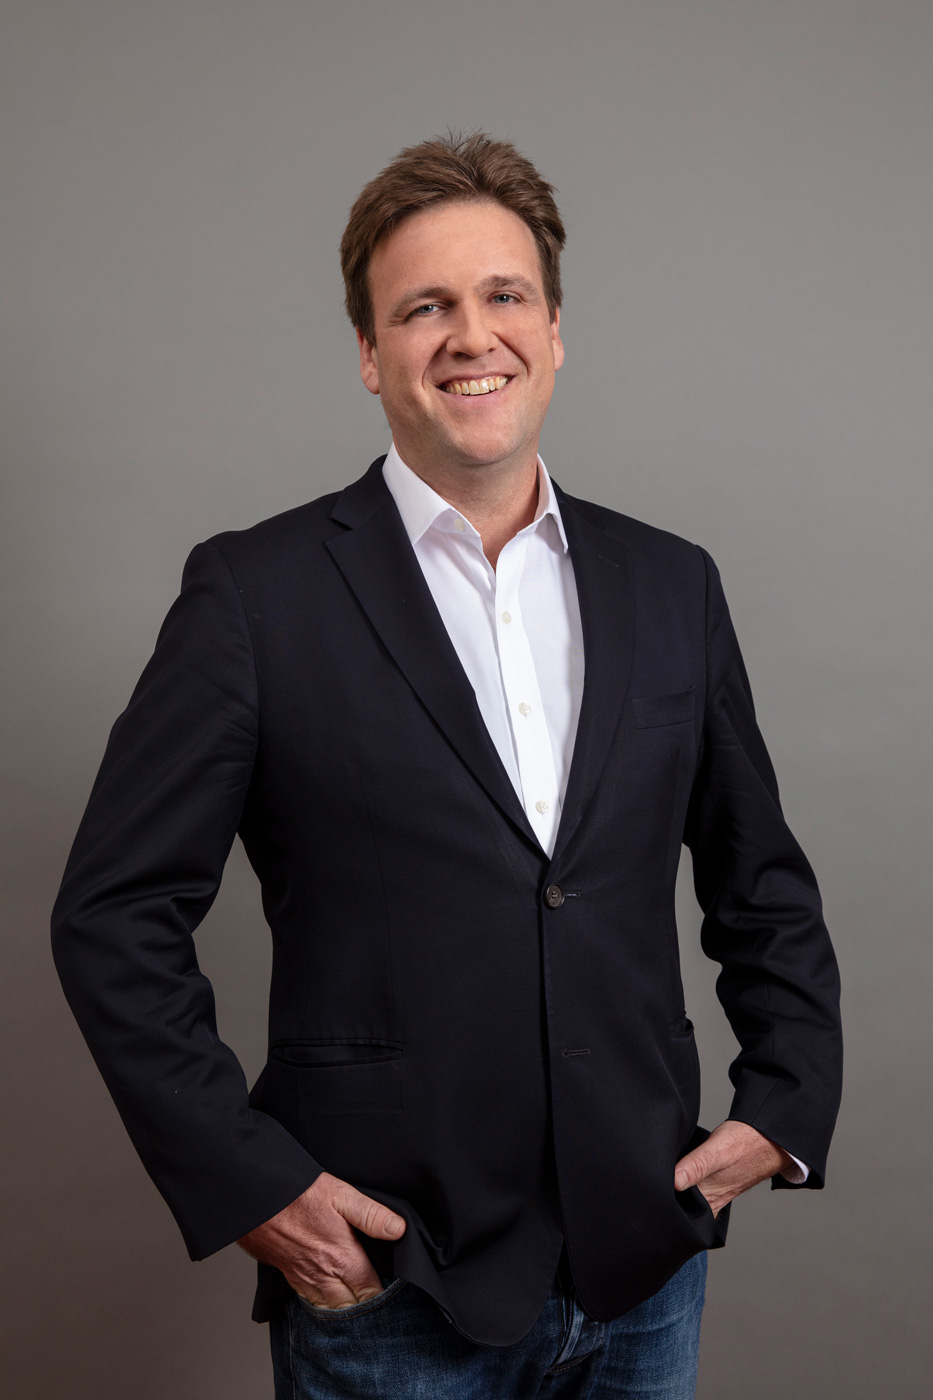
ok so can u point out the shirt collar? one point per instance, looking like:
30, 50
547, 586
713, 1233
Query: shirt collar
421, 507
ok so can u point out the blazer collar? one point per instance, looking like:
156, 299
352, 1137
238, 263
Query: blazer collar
376, 558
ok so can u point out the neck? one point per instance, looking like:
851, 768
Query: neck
497, 501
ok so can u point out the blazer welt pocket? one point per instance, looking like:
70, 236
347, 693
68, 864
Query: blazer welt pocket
652, 711
331, 1054
311, 1078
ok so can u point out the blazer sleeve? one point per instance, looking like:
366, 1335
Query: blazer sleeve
144, 870
779, 983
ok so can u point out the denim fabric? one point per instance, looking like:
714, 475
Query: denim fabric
400, 1346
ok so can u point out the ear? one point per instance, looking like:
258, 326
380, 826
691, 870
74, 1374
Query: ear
369, 365
557, 345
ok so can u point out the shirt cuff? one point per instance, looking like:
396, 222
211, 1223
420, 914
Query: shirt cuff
796, 1174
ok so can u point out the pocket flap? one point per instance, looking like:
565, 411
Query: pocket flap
334, 1052
651, 711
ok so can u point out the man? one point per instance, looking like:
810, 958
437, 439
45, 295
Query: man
462, 723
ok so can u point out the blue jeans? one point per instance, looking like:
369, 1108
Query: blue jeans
400, 1346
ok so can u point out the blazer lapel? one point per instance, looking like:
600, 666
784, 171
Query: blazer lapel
376, 559
602, 570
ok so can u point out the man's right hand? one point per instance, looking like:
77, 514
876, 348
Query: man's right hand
312, 1242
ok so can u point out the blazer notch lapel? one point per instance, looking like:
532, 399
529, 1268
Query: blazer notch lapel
603, 574
378, 563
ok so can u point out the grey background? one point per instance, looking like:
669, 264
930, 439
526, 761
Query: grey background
747, 188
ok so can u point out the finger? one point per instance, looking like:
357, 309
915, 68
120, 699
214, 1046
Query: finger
336, 1299
373, 1218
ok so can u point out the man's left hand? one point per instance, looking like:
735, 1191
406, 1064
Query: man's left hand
733, 1158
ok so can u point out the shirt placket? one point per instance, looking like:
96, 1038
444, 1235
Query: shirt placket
540, 794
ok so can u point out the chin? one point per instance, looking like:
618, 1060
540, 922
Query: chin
486, 452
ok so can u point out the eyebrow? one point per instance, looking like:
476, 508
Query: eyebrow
497, 282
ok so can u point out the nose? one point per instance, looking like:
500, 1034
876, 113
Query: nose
470, 334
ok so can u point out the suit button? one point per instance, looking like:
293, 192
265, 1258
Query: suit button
553, 896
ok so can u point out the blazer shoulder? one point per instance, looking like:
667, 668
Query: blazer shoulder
649, 546
280, 538
289, 539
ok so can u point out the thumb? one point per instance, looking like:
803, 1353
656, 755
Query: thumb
689, 1170
370, 1216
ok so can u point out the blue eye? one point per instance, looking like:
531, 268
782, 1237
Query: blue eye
503, 297
428, 306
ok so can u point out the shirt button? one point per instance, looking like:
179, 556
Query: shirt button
553, 896
459, 525
506, 617
541, 806
524, 709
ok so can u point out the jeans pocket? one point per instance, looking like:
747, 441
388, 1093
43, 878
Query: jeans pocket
331, 1315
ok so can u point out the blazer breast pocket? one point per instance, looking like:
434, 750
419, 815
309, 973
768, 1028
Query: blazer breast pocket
340, 1076
653, 711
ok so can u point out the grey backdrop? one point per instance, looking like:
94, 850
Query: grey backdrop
748, 313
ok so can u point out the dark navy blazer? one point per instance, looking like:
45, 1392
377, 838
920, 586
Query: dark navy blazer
491, 1042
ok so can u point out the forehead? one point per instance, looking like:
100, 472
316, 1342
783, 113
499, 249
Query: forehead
458, 243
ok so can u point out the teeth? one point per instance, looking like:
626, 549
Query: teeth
477, 386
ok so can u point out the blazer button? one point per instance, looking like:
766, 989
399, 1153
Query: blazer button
553, 896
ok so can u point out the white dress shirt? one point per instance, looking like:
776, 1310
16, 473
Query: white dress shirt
516, 629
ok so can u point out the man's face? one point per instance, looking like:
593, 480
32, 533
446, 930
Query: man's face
458, 299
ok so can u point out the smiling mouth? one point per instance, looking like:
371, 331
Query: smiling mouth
488, 385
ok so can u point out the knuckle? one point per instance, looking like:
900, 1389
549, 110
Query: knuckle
330, 1263
343, 1261
372, 1214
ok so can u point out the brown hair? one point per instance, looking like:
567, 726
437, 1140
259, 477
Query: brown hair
445, 170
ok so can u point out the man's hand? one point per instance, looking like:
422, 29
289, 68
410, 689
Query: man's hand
733, 1158
313, 1244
